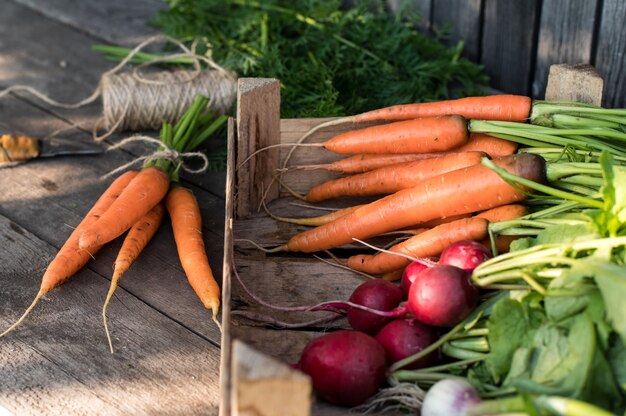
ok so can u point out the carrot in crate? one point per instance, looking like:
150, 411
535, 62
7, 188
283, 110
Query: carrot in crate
430, 243
504, 107
390, 179
461, 191
492, 146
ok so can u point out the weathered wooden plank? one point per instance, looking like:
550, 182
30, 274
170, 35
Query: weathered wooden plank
462, 20
159, 366
507, 44
565, 37
610, 59
291, 282
95, 17
258, 127
229, 214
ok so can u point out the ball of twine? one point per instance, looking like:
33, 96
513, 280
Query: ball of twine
130, 103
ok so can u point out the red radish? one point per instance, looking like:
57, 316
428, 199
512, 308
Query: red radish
442, 296
410, 273
466, 255
376, 294
346, 367
404, 337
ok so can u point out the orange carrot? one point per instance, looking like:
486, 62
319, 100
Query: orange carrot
393, 275
391, 179
492, 146
187, 226
461, 191
70, 259
136, 240
422, 135
495, 107
366, 162
503, 213
141, 195
504, 107
503, 242
427, 244
439, 221
319, 220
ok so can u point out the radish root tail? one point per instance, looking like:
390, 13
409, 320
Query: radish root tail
25, 314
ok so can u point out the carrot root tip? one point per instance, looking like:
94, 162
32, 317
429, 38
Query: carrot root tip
25, 314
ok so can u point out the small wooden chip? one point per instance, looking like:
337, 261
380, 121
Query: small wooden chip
263, 386
580, 82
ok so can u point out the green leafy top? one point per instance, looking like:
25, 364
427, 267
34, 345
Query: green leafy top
331, 61
194, 128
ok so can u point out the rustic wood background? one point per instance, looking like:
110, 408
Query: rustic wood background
518, 40
167, 350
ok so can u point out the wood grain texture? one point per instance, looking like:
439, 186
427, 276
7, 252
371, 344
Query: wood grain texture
229, 214
157, 359
461, 20
565, 37
165, 342
610, 59
258, 126
507, 44
95, 17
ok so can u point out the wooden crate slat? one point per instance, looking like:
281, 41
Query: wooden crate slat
507, 44
462, 17
610, 59
565, 36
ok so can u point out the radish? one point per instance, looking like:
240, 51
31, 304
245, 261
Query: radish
404, 337
377, 294
442, 296
409, 274
453, 396
465, 254
346, 367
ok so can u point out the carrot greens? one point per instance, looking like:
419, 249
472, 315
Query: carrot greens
331, 60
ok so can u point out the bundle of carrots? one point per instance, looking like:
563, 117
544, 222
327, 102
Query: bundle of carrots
427, 160
135, 202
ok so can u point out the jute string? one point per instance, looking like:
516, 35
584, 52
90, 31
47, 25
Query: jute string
162, 152
135, 101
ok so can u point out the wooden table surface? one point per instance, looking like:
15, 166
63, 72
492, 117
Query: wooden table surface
167, 349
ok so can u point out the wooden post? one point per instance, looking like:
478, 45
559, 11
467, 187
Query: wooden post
258, 126
580, 83
263, 386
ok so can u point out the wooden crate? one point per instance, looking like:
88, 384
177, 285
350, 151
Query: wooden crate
283, 278
255, 378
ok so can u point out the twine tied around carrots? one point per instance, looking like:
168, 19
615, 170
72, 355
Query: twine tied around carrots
162, 152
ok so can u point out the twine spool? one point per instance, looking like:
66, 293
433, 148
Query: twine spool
138, 101
131, 103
